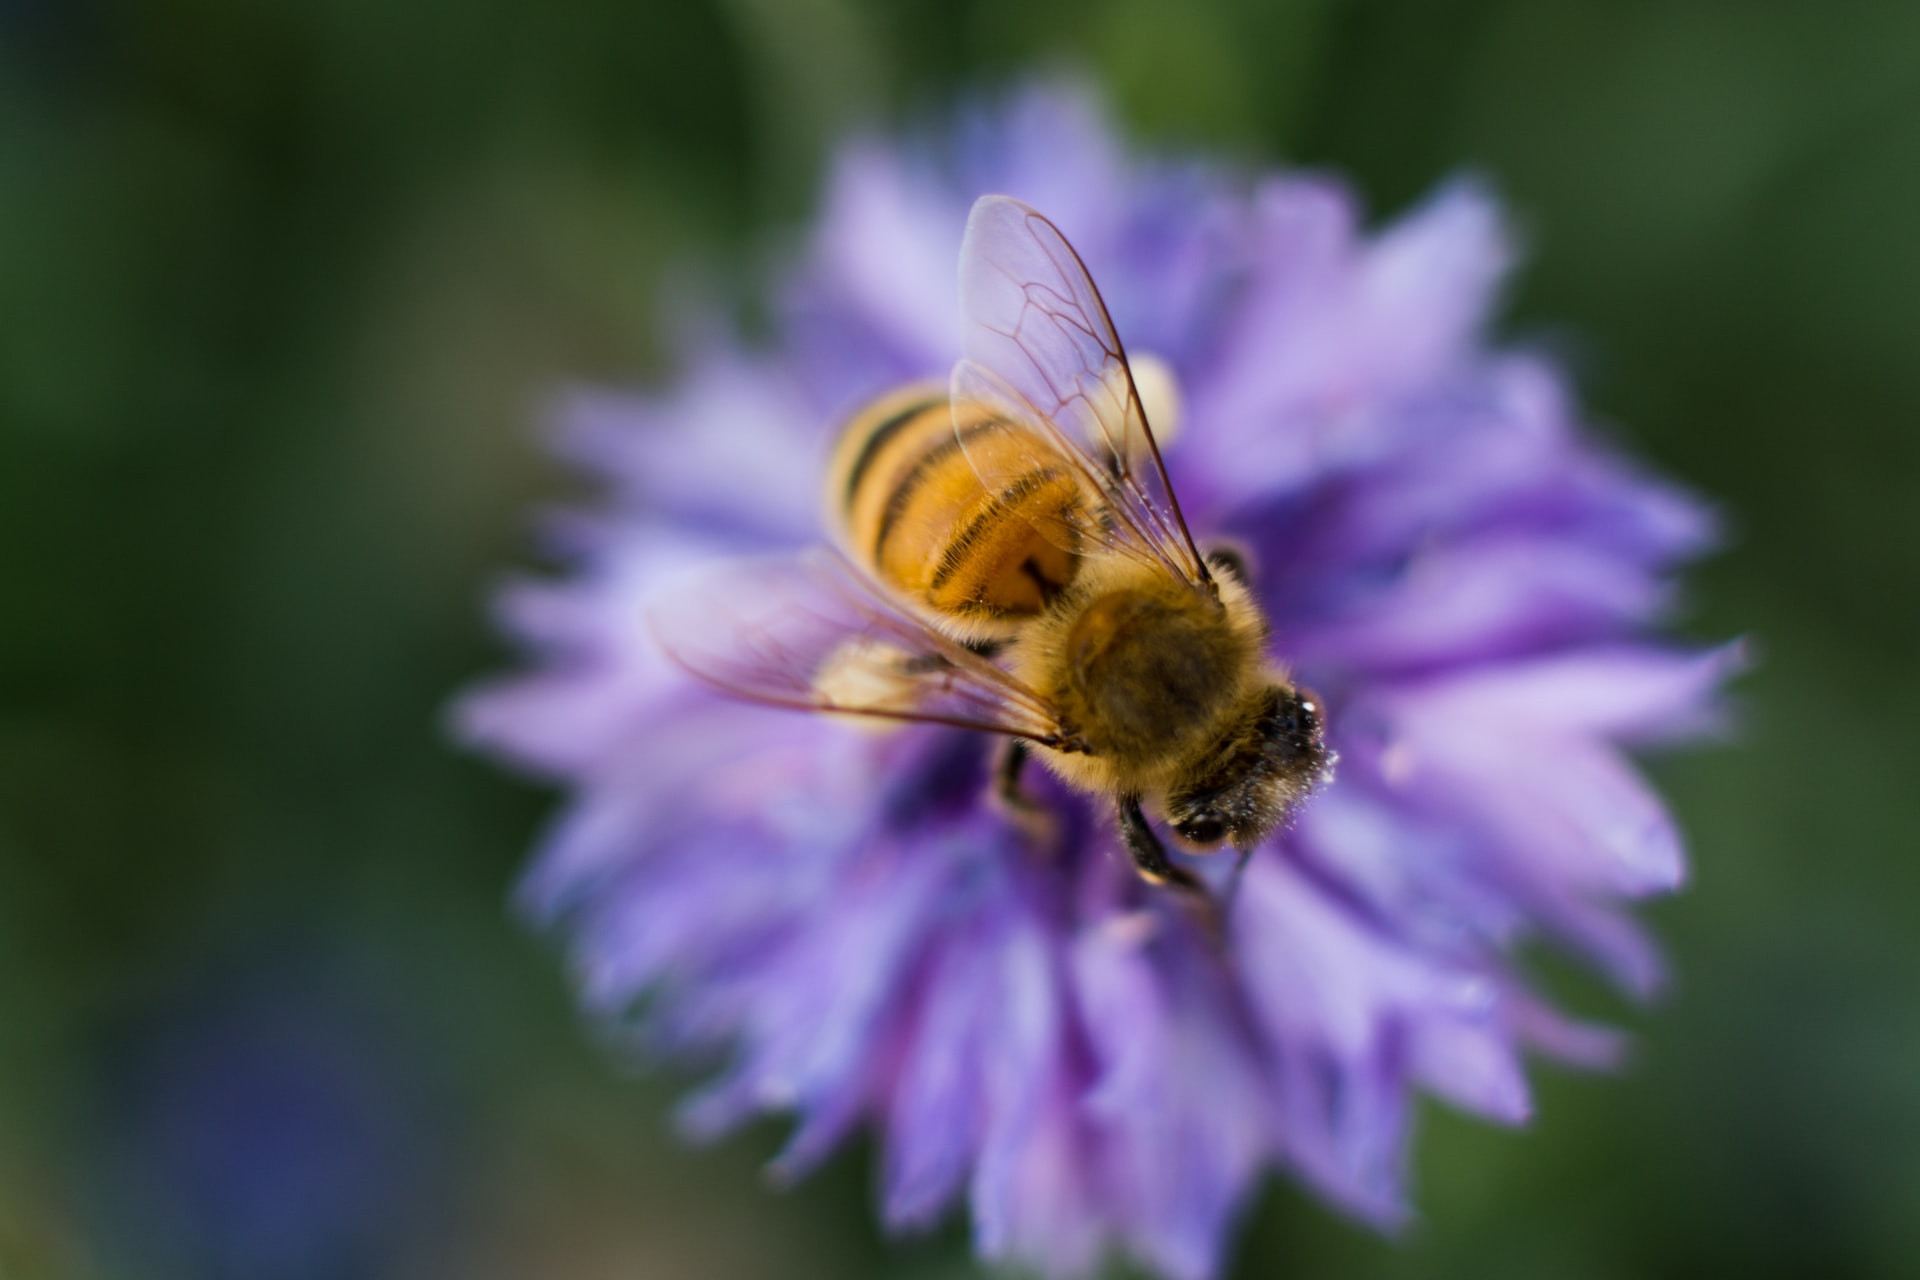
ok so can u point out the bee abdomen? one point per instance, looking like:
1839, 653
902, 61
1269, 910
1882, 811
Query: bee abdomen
910, 506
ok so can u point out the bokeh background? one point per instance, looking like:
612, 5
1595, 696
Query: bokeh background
282, 289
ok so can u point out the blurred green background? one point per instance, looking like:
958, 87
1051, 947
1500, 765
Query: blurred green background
282, 287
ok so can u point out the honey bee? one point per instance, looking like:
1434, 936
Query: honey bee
1012, 558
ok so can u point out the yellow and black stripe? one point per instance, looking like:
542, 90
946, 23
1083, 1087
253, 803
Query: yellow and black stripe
906, 494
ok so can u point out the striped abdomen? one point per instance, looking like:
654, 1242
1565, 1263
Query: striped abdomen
910, 507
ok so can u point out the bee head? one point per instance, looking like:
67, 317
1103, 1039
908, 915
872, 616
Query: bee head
1250, 779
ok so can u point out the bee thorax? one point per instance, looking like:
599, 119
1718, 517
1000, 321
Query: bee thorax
1147, 670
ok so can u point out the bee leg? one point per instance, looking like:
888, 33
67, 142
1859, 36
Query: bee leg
1151, 861
1029, 813
1006, 777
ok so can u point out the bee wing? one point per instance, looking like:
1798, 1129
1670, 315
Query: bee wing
1041, 348
809, 632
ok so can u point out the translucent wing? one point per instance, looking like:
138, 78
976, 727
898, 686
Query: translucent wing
1041, 349
810, 633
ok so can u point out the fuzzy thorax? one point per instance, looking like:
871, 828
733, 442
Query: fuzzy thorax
1147, 669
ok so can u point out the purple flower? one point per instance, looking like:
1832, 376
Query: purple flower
1449, 557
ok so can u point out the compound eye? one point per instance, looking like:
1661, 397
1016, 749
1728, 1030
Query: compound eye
1295, 716
1205, 829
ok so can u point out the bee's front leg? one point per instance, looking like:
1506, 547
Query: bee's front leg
1006, 777
1028, 813
1151, 861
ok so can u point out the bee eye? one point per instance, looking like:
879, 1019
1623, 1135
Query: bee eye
1205, 829
1291, 717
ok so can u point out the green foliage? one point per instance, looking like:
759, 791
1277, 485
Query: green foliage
282, 288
